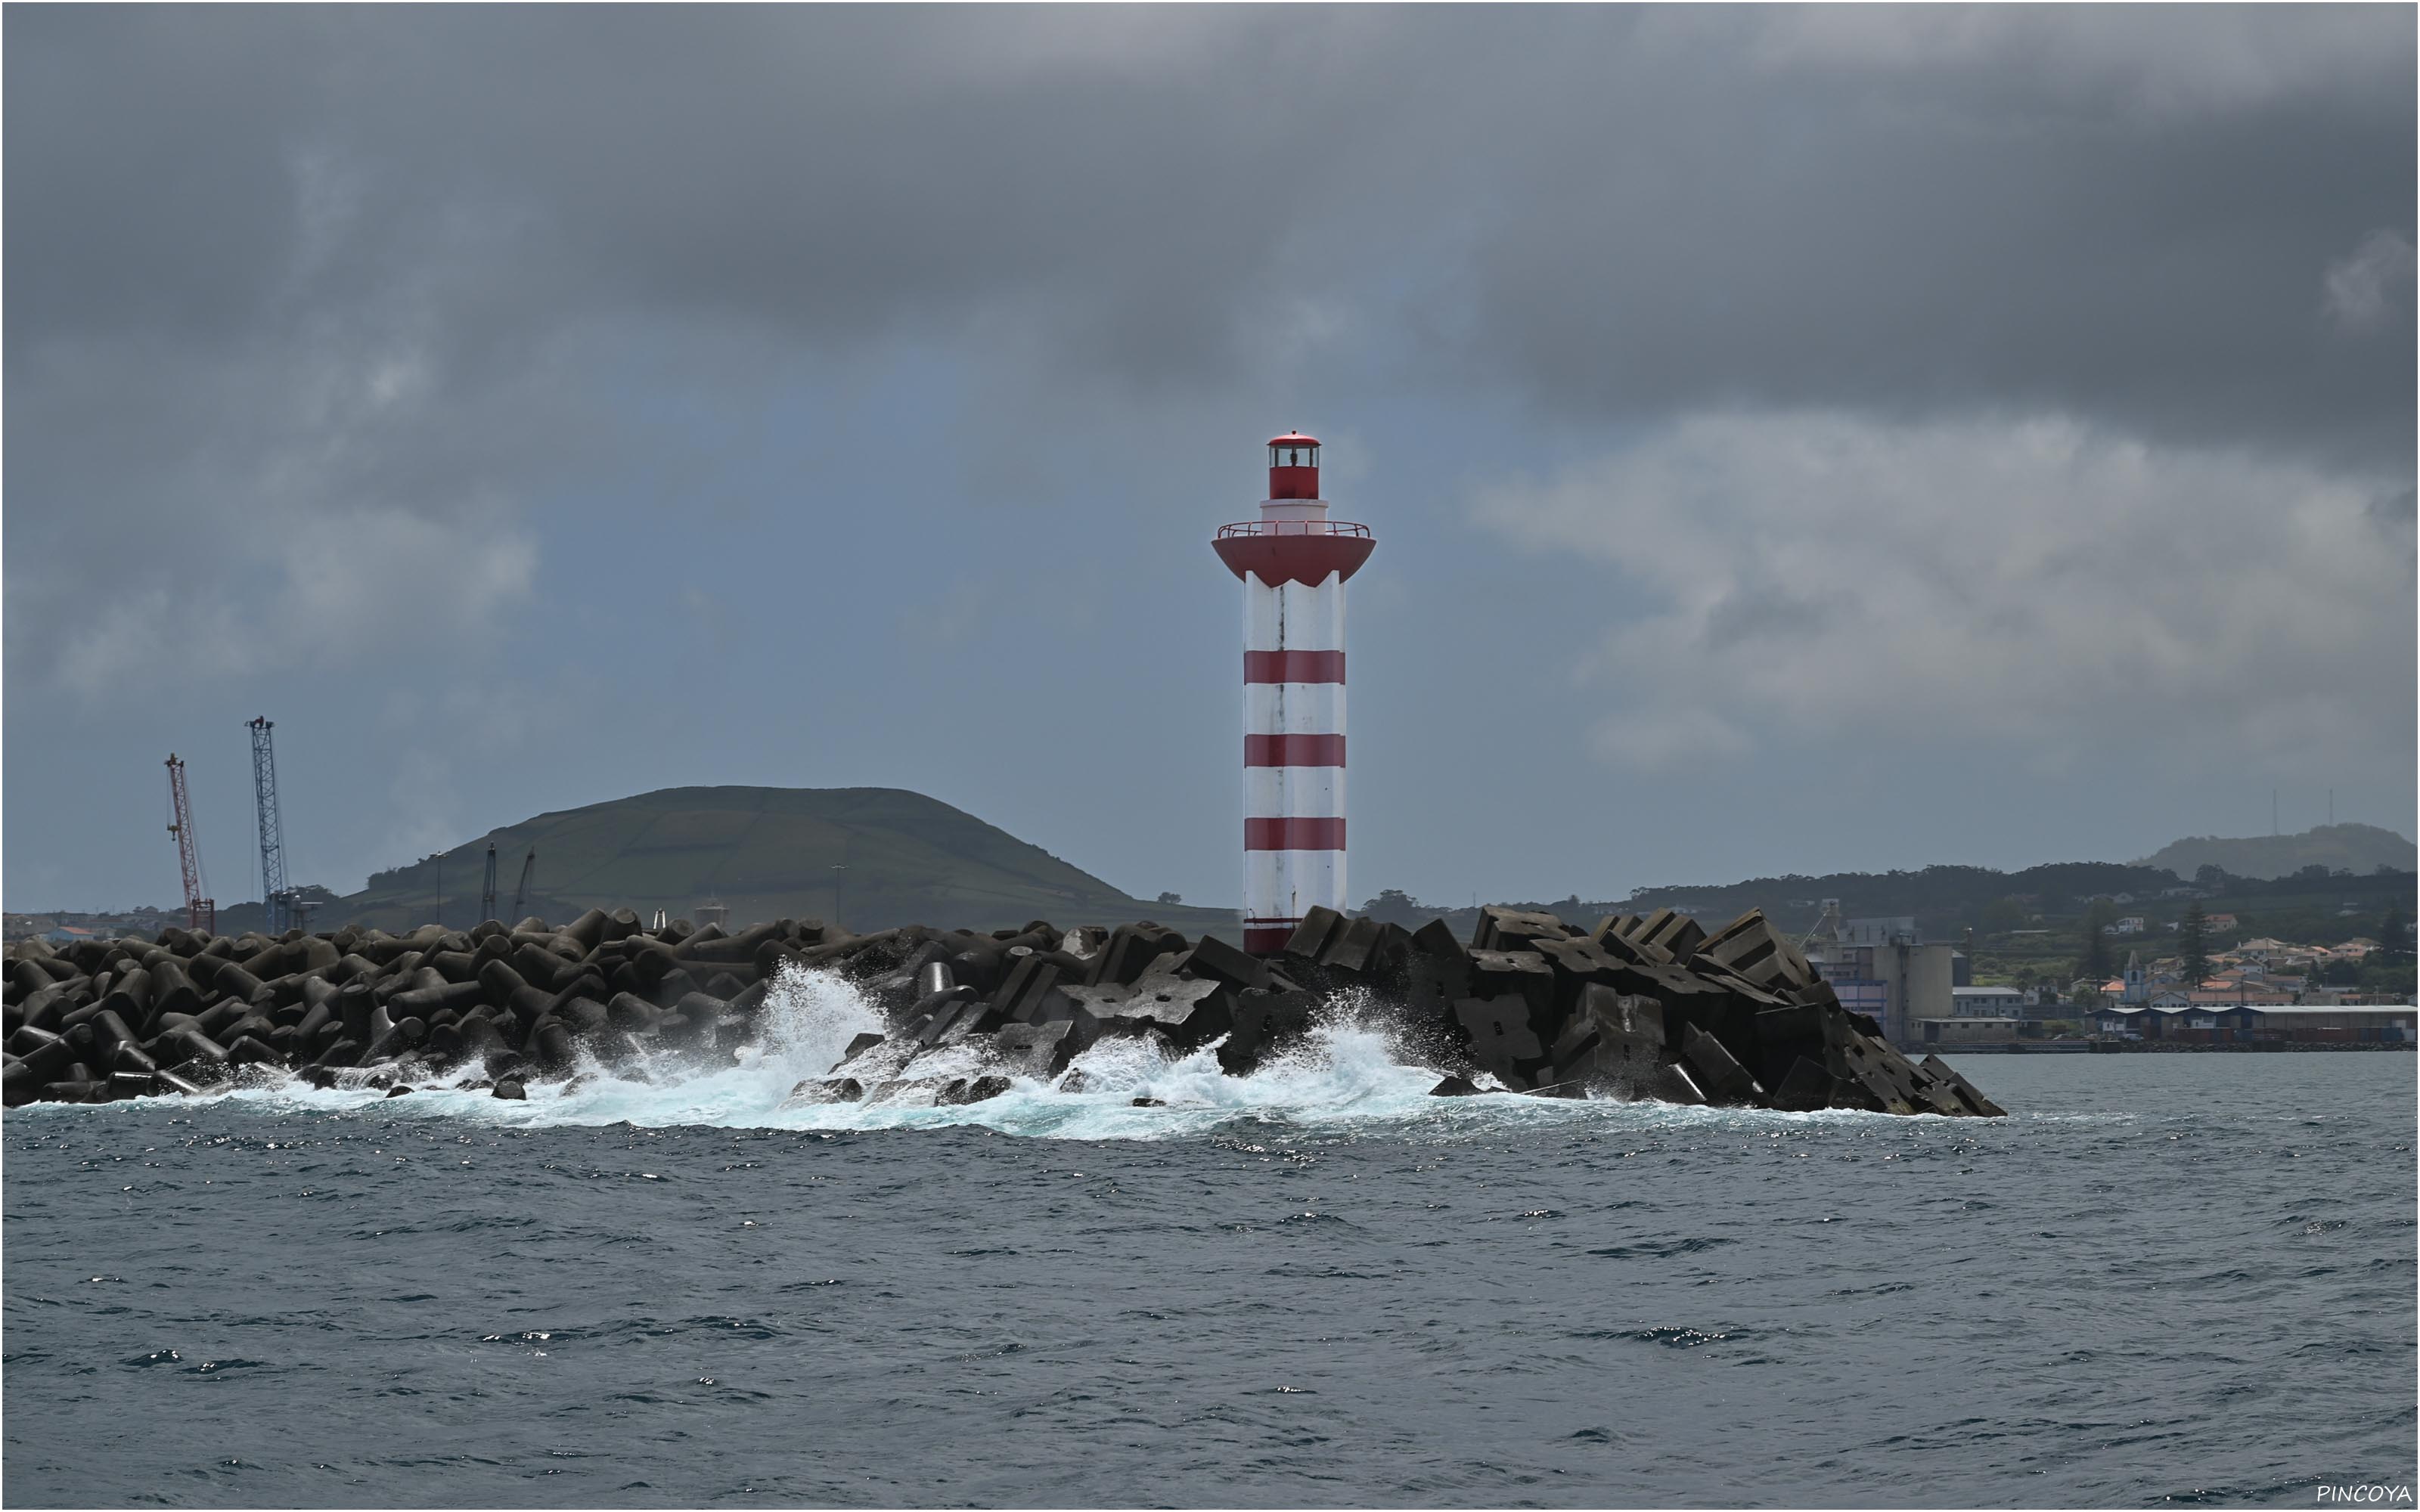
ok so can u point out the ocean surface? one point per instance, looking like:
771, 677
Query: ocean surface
2164, 1279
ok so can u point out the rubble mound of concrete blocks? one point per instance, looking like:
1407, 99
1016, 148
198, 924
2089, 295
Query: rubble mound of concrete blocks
96, 1021
1651, 1007
1635, 1008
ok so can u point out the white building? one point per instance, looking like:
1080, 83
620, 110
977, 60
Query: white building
1986, 1002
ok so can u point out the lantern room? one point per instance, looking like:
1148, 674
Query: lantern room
1294, 466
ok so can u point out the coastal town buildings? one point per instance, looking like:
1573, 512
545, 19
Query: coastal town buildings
2194, 1021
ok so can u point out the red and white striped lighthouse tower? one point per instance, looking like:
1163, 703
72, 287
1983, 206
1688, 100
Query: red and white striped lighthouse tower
1294, 561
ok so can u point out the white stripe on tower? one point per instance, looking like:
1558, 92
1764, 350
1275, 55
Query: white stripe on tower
1293, 755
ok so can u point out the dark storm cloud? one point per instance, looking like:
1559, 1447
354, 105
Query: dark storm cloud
303, 303
1621, 211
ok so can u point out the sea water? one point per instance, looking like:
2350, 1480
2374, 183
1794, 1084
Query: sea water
2162, 1278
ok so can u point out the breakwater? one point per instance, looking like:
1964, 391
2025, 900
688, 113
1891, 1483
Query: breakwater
1638, 1009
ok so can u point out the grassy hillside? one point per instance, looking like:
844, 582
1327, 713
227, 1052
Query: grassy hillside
2359, 848
2040, 909
869, 858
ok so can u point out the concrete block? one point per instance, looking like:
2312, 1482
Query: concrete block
1722, 1078
1523, 974
1187, 1015
1041, 1051
500, 980
975, 1089
1612, 1042
585, 1017
1785, 1035
591, 928
1512, 929
1436, 976
549, 1045
677, 984
1215, 958
1676, 935
1750, 945
1617, 925
1501, 1039
1866, 1065
1030, 979
1671, 1082
952, 1014
342, 1051
249, 1050
1365, 949
456, 965
703, 1011
1264, 1024
422, 1002
629, 1013
817, 1089
977, 1020
1313, 935
1975, 1101
190, 1051
26, 1038
1130, 950
1106, 1003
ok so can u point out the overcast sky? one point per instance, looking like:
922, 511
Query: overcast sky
1797, 440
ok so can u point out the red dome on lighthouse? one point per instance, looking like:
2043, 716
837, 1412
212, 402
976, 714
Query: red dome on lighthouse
1294, 466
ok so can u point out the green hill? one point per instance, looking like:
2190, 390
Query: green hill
2358, 848
869, 858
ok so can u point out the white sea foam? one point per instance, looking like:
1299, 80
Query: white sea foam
1348, 1073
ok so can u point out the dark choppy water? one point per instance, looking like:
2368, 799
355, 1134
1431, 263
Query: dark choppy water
2168, 1277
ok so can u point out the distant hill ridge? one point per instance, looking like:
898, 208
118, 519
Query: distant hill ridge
869, 858
875, 857
2359, 848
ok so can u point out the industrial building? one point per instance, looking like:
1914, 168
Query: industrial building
2261, 1023
1883, 968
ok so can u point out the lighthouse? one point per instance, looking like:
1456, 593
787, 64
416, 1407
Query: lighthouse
1294, 562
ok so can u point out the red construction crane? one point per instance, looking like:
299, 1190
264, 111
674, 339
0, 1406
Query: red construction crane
200, 913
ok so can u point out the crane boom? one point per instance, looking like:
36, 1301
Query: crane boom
274, 899
488, 888
529, 865
200, 913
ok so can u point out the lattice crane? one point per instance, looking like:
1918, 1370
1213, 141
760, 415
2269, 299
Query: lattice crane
201, 914
276, 899
529, 866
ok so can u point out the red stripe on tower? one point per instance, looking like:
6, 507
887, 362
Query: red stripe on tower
1294, 750
1293, 667
1293, 834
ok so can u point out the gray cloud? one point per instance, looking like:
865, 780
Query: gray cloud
2366, 288
315, 295
1957, 586
1618, 209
